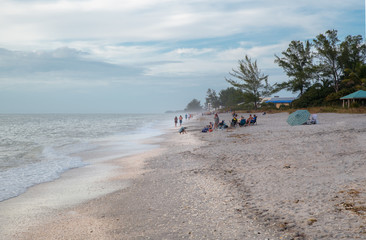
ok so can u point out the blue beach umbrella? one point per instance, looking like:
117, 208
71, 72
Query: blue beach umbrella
299, 117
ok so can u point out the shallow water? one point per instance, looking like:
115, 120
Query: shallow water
39, 148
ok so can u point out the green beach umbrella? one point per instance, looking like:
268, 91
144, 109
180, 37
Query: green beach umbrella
299, 117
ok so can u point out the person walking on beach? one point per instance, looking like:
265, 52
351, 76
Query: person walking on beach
176, 120
180, 120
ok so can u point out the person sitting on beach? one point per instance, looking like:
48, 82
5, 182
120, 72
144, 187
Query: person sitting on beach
182, 130
222, 125
242, 121
210, 127
254, 120
249, 119
234, 122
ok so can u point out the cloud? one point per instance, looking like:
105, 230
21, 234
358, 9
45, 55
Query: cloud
159, 20
63, 67
170, 46
193, 51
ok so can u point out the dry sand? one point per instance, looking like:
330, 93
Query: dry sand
268, 181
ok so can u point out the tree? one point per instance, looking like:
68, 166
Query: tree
328, 51
353, 52
194, 105
297, 62
313, 96
231, 97
212, 99
353, 55
251, 81
355, 79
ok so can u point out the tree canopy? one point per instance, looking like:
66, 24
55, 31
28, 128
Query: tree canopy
249, 79
212, 99
321, 71
328, 63
194, 105
231, 97
329, 55
297, 62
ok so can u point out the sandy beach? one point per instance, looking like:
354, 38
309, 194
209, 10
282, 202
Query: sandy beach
267, 181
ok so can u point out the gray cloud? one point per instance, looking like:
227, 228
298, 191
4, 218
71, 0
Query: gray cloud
60, 64
142, 20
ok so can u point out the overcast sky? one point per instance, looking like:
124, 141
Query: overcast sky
148, 56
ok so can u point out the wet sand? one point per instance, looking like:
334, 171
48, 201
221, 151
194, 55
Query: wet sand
268, 181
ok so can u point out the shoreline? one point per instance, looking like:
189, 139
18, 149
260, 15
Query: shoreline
40, 148
269, 181
45, 201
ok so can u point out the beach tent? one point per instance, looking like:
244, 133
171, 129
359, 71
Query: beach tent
359, 95
298, 118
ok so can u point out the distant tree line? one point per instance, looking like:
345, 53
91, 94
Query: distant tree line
320, 71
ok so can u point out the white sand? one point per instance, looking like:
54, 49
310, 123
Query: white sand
268, 181
301, 178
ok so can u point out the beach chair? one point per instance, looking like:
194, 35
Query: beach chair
242, 122
253, 121
234, 122
313, 119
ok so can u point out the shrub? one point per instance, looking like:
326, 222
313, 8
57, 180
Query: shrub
328, 109
284, 107
355, 105
267, 106
314, 96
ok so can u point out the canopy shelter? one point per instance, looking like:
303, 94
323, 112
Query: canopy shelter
360, 95
278, 101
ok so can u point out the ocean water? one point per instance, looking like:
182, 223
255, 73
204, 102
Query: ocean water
39, 148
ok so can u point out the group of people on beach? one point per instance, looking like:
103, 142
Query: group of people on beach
242, 122
251, 120
180, 120
187, 116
